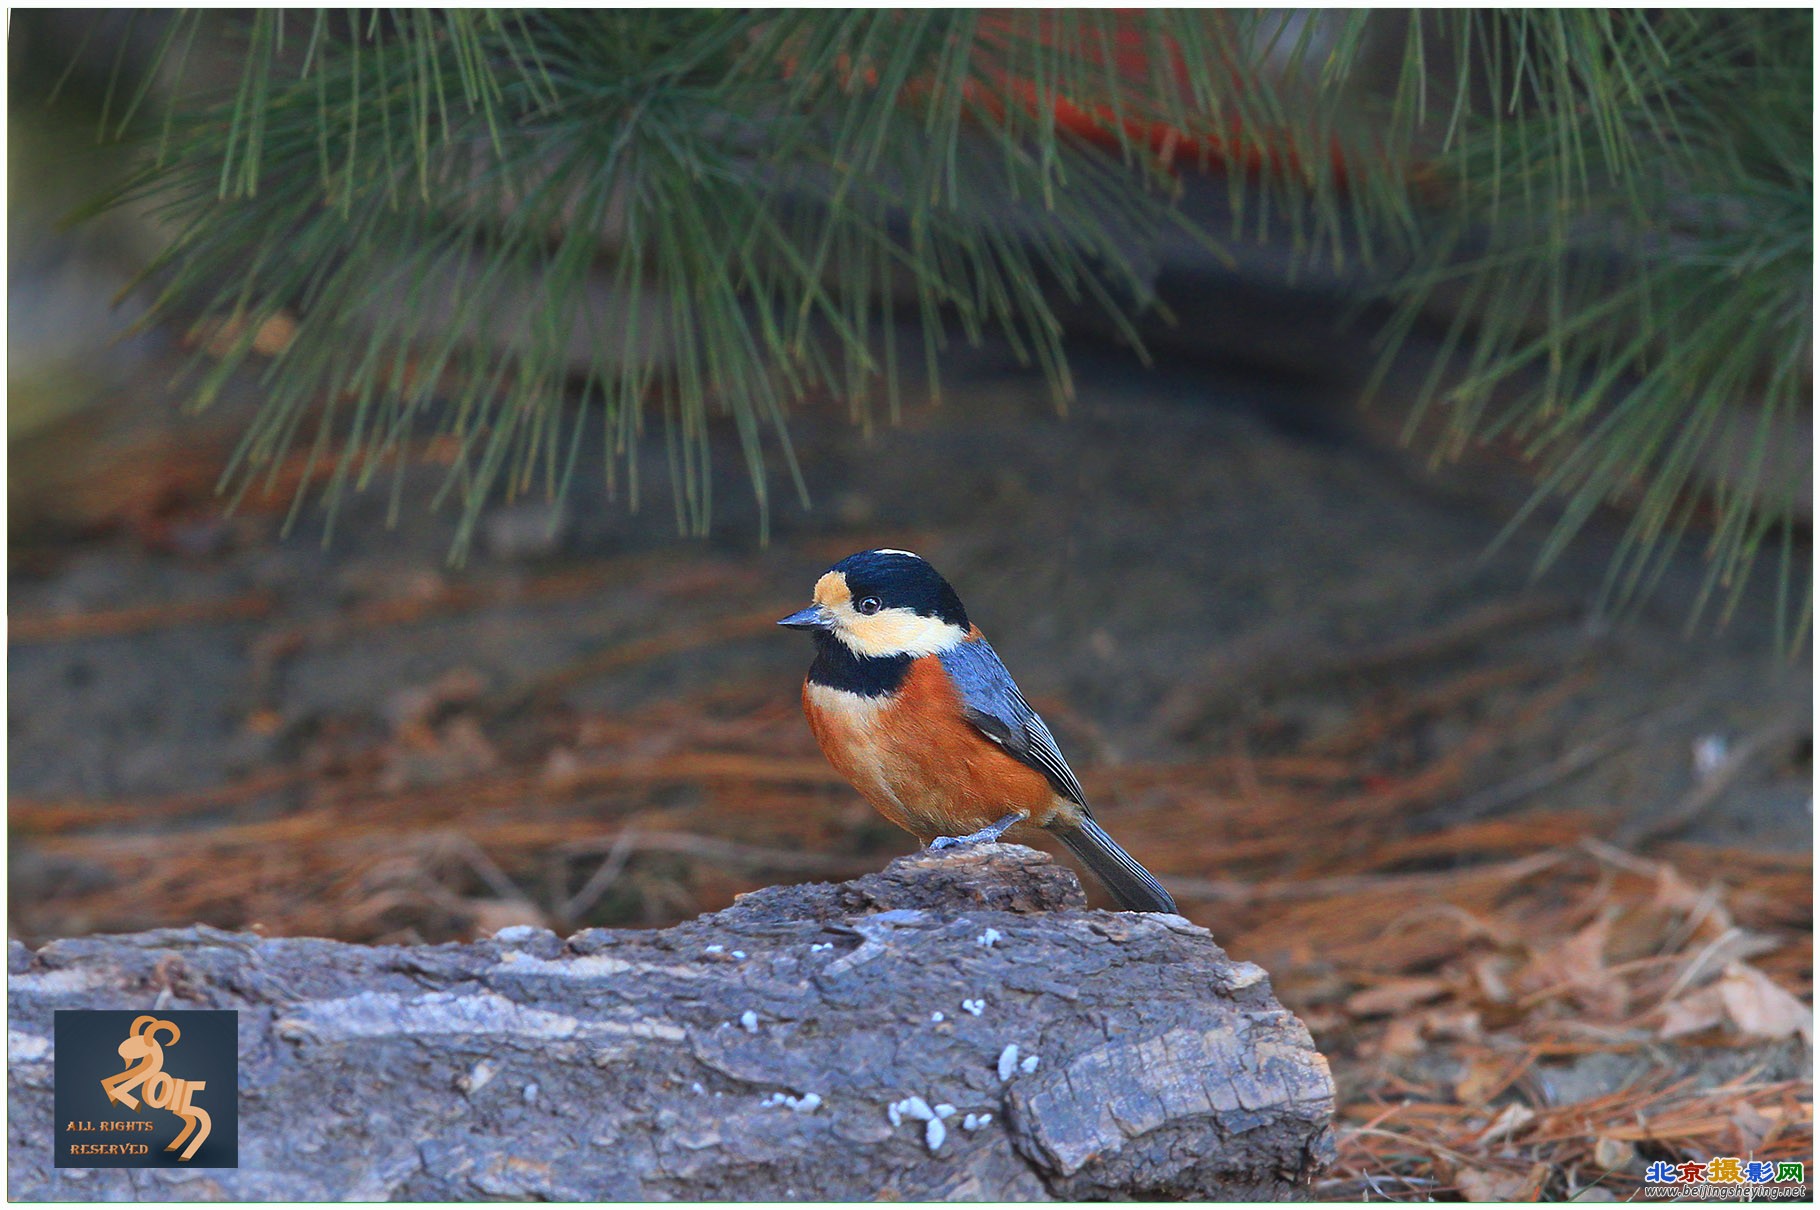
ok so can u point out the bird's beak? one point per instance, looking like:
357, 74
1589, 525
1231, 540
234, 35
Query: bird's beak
816, 617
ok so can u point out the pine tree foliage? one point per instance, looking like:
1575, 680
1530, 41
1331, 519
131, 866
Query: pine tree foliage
1635, 283
537, 235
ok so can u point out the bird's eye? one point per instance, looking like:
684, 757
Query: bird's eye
868, 605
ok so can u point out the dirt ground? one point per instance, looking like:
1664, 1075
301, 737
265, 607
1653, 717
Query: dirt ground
1540, 882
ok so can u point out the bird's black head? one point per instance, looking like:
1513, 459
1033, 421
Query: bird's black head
901, 580
885, 603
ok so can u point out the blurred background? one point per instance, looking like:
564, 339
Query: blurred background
1531, 856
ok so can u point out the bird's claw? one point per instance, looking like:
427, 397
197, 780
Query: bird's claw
989, 834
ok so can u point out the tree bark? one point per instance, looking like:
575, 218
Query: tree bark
794, 1046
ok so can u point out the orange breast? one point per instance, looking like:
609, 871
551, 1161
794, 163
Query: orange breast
919, 762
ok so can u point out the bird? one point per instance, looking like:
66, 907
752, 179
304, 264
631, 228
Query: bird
911, 704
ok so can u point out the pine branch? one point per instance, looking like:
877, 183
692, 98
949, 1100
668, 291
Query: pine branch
1653, 288
1618, 204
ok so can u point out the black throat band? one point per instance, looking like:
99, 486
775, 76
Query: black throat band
838, 666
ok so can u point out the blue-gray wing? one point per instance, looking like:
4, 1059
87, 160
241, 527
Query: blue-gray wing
990, 700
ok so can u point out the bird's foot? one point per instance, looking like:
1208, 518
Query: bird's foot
987, 835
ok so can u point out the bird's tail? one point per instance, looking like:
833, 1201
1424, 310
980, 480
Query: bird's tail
1129, 882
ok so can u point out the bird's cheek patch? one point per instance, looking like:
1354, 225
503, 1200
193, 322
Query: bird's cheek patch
831, 590
898, 632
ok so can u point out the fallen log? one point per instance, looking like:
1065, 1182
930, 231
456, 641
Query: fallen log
955, 1026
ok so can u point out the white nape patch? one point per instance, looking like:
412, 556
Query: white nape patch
893, 632
891, 550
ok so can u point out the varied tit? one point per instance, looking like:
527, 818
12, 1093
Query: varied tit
911, 704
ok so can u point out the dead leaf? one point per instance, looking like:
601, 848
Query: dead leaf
1498, 1185
1510, 1119
1752, 1128
1760, 1007
1577, 965
560, 767
1323, 1019
1744, 998
1458, 1026
1613, 1155
1692, 1014
1395, 996
1402, 1037
1677, 894
422, 757
417, 705
1581, 958
1492, 972
1474, 927
1638, 930
1486, 1076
